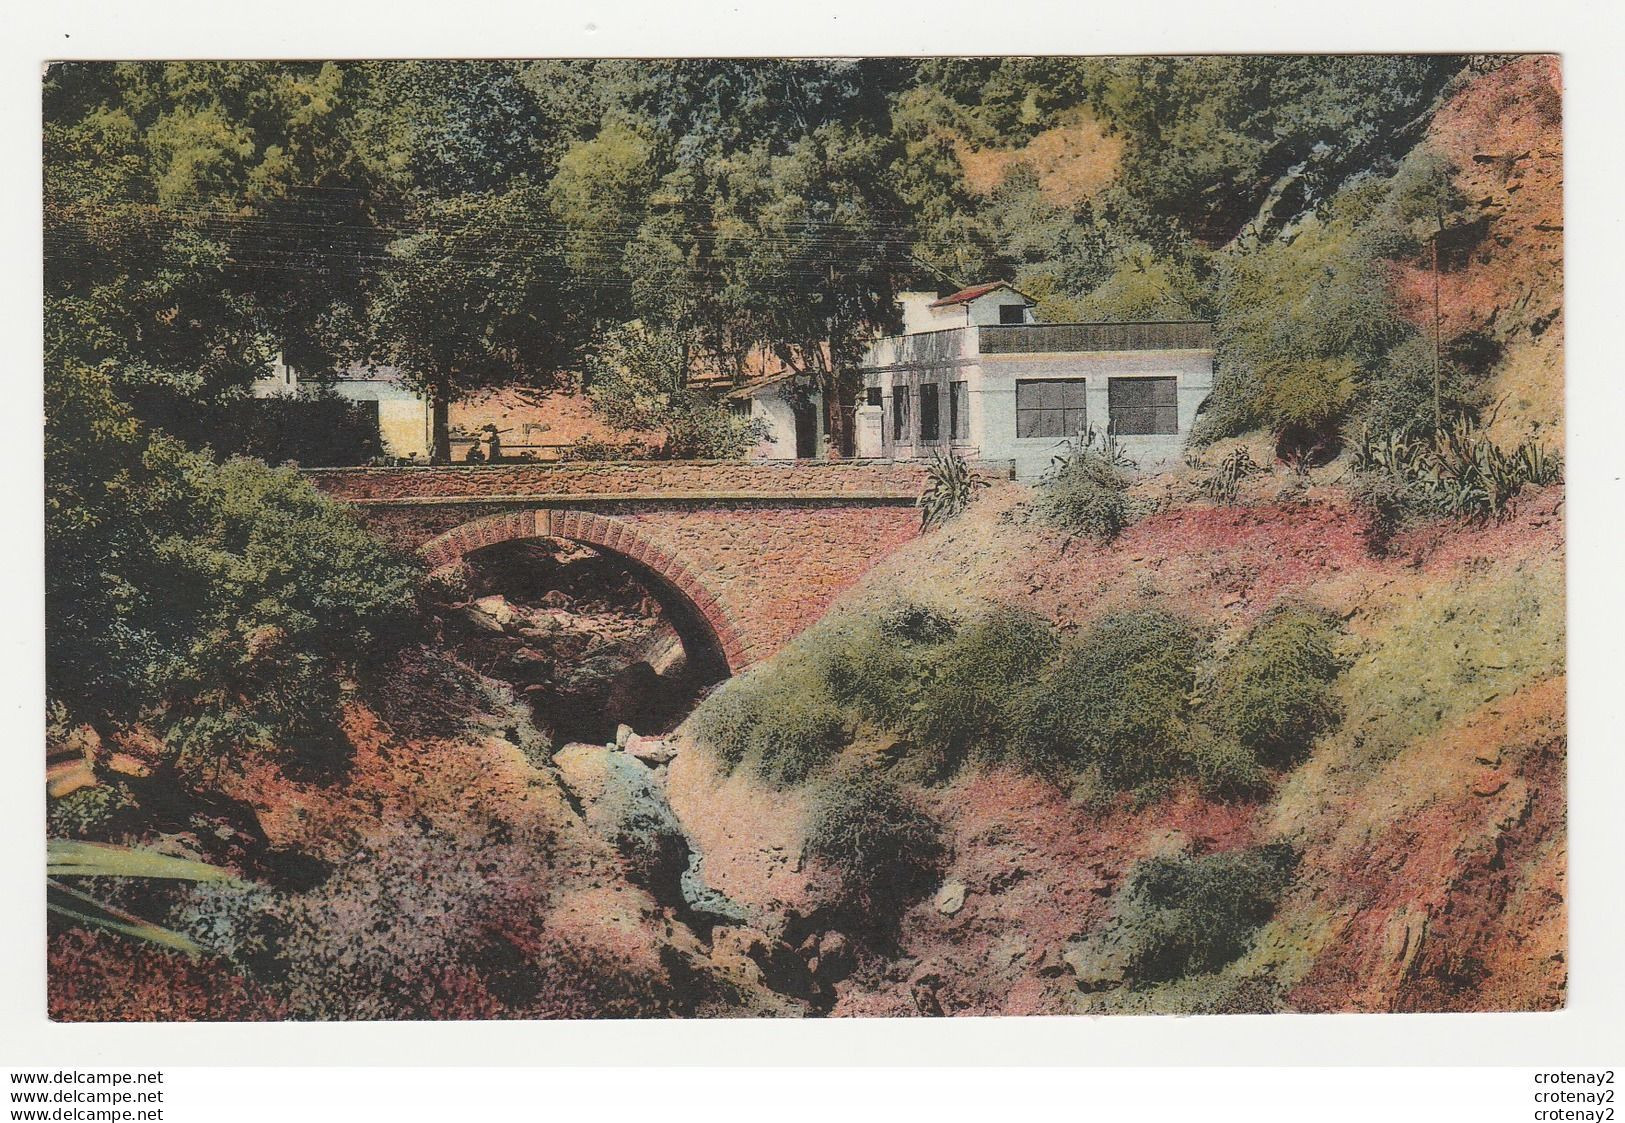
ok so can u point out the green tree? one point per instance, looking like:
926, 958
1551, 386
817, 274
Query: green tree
199, 218
221, 603
639, 380
478, 296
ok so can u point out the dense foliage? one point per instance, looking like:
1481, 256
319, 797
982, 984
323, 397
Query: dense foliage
222, 603
477, 223
1136, 701
1456, 471
1185, 916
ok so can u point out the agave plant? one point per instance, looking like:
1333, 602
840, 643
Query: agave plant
1224, 485
1459, 472
68, 858
949, 485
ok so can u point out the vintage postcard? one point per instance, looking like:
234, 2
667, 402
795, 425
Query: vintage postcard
641, 538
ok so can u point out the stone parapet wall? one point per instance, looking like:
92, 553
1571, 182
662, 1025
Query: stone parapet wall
756, 552
674, 479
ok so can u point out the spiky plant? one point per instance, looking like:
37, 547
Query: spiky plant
68, 858
949, 487
1223, 486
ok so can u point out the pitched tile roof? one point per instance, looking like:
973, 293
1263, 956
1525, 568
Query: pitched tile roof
965, 296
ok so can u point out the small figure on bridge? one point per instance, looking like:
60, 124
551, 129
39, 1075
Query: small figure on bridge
492, 439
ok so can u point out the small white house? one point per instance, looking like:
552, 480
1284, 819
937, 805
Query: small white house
404, 418
975, 373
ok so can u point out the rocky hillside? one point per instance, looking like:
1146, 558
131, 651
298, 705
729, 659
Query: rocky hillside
451, 869
1502, 132
1429, 824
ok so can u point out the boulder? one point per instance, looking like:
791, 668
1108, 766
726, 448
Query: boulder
497, 608
556, 598
482, 621
653, 751
704, 901
624, 803
950, 898
834, 958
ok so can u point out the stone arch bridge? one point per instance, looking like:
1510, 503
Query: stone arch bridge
742, 556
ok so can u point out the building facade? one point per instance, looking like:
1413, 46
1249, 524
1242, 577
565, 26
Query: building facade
792, 411
404, 418
975, 374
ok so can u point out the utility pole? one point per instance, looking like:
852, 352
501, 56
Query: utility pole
1438, 415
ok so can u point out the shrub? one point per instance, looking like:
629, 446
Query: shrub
1184, 916
970, 699
1084, 491
1273, 694
782, 718
1387, 502
594, 448
222, 602
1223, 485
1457, 471
1307, 394
799, 732
1224, 769
873, 666
1117, 699
725, 720
883, 849
637, 379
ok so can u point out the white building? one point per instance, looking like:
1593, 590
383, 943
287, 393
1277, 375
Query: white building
791, 407
404, 418
974, 373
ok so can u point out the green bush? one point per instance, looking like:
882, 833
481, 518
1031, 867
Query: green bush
1084, 492
1117, 699
948, 490
1224, 769
883, 849
223, 603
971, 697
781, 719
1456, 471
637, 379
873, 665
1307, 394
1185, 916
724, 721
1273, 694
799, 733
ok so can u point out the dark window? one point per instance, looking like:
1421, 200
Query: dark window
1050, 407
958, 411
873, 395
739, 407
1141, 406
929, 429
1012, 313
899, 413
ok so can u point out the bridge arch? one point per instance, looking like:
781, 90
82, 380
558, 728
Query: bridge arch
704, 625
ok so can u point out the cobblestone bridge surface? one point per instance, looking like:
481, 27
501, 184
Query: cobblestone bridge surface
743, 555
